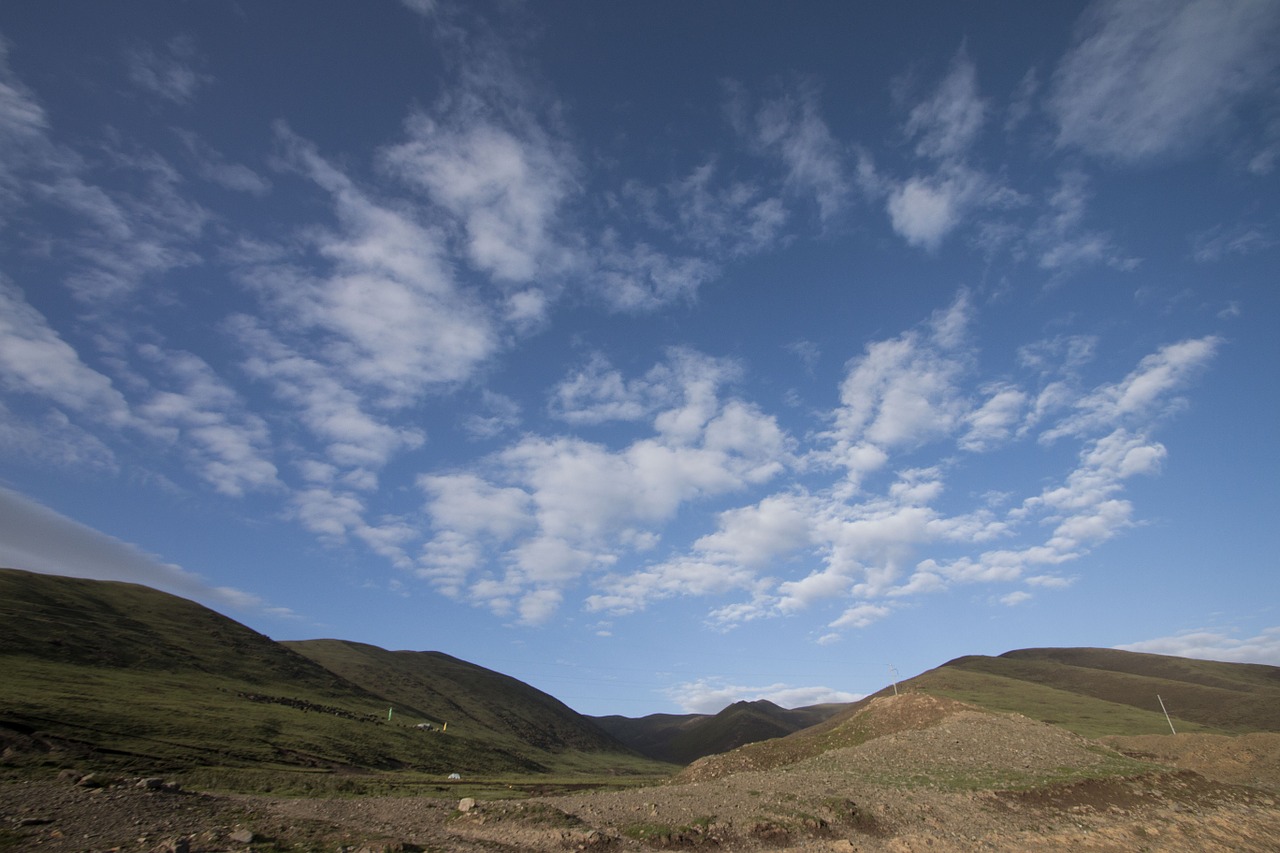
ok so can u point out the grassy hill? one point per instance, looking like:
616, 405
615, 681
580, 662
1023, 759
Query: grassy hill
682, 738
140, 679
1096, 692
462, 695
145, 680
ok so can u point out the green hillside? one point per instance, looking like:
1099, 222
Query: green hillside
471, 700
1097, 692
126, 676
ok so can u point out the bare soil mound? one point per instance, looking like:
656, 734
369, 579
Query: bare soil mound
968, 748
1249, 759
880, 717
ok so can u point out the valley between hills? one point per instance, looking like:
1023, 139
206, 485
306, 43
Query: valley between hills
135, 721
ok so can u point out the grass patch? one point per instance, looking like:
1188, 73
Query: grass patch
651, 832
293, 782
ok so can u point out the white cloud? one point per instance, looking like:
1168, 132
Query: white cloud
213, 167
712, 695
598, 393
1013, 599
1262, 648
947, 123
993, 423
902, 392
861, 616
38, 539
388, 314
1220, 242
170, 74
505, 186
229, 446
1142, 395
333, 413
640, 279
23, 125
726, 218
1154, 79
1059, 240
790, 127
499, 414
34, 359
52, 438
553, 508
426, 8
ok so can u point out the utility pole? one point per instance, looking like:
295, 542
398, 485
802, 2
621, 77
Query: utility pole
1166, 714
894, 670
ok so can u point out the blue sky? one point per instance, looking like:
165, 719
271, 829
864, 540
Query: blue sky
657, 354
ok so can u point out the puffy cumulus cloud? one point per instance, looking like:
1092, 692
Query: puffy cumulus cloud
39, 539
505, 187
597, 393
196, 412
549, 512
870, 548
994, 422
1215, 645
712, 695
468, 504
902, 392
550, 509
1150, 79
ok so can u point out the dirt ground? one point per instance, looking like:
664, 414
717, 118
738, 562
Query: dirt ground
957, 784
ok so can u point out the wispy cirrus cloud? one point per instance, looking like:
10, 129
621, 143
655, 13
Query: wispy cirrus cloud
1215, 644
790, 127
35, 360
228, 446
171, 73
1151, 80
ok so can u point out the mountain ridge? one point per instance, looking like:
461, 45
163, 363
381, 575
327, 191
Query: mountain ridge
78, 654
